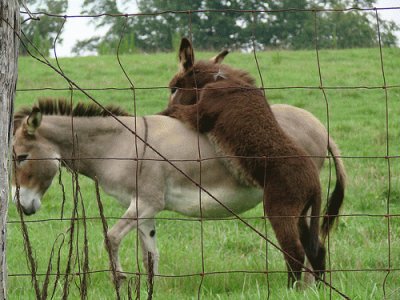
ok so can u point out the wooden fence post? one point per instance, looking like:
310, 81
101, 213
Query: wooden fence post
9, 44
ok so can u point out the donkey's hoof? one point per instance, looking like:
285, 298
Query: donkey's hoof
119, 278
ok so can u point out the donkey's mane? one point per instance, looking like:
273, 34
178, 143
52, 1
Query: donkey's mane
62, 107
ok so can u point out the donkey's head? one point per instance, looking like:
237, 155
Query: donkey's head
194, 75
36, 162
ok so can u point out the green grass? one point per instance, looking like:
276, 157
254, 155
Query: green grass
357, 121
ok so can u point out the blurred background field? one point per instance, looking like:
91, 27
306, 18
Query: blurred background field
363, 120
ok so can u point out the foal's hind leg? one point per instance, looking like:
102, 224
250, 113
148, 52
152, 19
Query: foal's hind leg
287, 233
304, 224
315, 259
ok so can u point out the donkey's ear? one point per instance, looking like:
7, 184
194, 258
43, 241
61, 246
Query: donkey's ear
217, 59
33, 121
186, 55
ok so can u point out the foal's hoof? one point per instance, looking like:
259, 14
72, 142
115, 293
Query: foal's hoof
301, 285
309, 279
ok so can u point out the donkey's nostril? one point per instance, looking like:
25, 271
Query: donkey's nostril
29, 200
28, 212
32, 208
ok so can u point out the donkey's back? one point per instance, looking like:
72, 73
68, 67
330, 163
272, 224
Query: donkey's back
192, 161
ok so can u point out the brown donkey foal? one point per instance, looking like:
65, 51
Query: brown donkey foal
224, 104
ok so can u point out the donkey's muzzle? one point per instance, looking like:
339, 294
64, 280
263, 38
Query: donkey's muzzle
28, 212
29, 200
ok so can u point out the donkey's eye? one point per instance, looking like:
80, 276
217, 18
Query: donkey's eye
173, 90
21, 158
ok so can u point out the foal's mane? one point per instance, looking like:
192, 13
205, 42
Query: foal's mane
62, 107
238, 74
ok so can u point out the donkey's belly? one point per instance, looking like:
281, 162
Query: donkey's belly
232, 164
186, 200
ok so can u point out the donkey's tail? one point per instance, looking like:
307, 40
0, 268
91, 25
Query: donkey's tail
335, 201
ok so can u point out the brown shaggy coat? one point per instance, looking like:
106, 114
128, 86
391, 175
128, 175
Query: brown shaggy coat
240, 123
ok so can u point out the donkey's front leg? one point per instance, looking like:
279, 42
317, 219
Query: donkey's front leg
116, 234
114, 238
147, 234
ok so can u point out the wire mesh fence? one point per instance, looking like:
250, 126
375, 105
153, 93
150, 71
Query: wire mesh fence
63, 267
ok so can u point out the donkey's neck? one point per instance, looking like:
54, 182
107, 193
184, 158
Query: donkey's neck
84, 143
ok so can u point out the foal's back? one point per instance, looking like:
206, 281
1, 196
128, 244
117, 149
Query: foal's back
246, 127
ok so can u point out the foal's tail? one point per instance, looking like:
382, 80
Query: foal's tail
335, 201
314, 223
309, 236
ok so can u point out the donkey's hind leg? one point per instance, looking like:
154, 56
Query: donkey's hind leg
287, 232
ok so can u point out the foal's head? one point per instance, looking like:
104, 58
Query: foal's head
196, 75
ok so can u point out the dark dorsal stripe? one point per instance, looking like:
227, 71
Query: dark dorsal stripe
62, 107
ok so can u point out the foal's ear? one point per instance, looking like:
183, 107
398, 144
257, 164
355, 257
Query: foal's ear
217, 59
186, 55
33, 121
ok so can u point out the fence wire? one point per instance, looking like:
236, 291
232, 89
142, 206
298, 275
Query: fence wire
77, 271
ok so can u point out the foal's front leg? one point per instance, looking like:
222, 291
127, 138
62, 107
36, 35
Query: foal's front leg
188, 114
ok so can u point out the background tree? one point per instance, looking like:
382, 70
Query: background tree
226, 28
43, 32
109, 42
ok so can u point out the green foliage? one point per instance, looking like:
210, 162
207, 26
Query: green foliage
40, 34
120, 31
224, 27
176, 41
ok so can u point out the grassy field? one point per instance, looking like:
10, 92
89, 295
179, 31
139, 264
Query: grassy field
359, 251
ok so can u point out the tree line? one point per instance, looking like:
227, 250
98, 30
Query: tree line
213, 25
